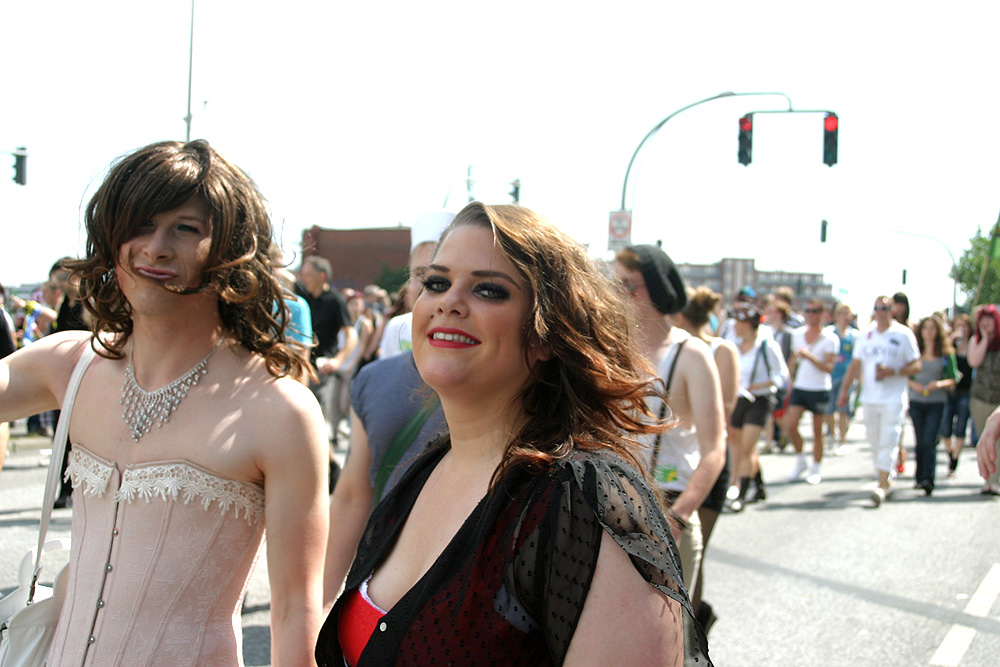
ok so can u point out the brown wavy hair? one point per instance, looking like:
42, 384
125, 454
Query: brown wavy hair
591, 394
942, 344
161, 177
701, 302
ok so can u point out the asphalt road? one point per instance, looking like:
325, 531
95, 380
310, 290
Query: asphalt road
812, 576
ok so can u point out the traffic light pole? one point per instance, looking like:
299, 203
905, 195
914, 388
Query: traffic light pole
663, 122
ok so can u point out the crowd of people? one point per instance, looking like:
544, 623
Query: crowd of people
533, 439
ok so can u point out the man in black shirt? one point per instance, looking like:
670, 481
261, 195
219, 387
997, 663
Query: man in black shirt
329, 319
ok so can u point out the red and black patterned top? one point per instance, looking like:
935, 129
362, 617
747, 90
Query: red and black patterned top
510, 586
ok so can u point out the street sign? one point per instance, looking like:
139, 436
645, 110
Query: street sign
620, 230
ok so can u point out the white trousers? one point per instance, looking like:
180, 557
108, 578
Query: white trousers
884, 424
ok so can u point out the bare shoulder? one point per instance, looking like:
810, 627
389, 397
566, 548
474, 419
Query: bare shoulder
696, 354
53, 357
726, 348
278, 414
276, 399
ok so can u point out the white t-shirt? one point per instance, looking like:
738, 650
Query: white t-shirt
397, 337
895, 347
807, 376
754, 369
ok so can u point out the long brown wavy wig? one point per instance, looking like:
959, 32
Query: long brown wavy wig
161, 177
592, 393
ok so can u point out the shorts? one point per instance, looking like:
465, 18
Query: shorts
716, 498
747, 412
813, 401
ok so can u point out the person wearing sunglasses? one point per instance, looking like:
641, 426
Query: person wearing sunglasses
885, 355
814, 353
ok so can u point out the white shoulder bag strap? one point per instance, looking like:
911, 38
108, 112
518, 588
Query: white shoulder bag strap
58, 449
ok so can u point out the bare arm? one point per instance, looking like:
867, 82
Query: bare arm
977, 350
34, 378
850, 375
625, 621
350, 507
334, 363
701, 381
292, 454
727, 360
824, 363
986, 449
911, 368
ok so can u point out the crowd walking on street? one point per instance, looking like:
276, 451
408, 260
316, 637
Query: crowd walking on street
534, 439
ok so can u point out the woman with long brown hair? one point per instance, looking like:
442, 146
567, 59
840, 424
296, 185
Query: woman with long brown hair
521, 536
928, 395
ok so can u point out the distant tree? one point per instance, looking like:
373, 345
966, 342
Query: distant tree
970, 266
392, 279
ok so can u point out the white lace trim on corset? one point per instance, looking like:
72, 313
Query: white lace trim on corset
88, 473
169, 481
180, 480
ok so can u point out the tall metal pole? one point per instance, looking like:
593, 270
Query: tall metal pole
187, 118
954, 277
663, 122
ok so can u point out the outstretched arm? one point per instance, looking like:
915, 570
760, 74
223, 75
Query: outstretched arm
33, 379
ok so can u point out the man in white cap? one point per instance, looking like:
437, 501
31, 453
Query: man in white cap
424, 234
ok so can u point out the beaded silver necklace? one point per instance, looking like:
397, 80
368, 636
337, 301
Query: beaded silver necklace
144, 408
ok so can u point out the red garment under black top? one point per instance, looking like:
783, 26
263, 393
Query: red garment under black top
510, 586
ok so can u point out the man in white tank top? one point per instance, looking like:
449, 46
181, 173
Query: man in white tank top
687, 459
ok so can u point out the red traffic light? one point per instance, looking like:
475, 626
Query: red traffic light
830, 122
746, 125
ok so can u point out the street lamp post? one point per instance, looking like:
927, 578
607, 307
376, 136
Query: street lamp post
954, 265
187, 118
663, 122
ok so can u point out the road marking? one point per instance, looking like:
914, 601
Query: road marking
955, 644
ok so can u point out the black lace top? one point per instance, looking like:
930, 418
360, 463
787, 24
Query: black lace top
510, 586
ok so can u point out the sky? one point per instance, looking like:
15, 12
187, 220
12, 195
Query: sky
353, 115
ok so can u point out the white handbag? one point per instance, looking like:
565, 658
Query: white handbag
30, 612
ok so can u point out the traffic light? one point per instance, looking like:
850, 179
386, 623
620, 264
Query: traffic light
21, 166
746, 139
515, 190
830, 124
822, 231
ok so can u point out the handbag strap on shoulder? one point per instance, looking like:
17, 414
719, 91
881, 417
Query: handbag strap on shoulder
59, 441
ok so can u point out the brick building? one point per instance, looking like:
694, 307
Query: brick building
358, 256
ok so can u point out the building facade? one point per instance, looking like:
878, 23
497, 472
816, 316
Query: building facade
731, 274
358, 256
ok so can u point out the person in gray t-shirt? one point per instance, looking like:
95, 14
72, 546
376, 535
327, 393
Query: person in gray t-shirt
928, 389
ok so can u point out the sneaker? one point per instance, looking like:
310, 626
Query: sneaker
732, 493
814, 477
877, 496
833, 449
800, 468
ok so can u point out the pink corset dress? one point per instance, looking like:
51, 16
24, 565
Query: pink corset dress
161, 559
